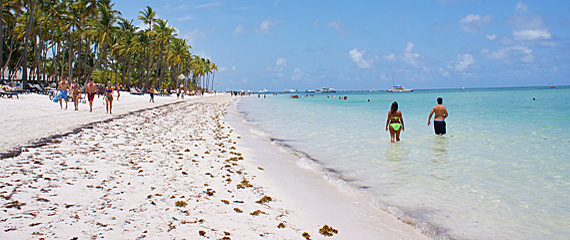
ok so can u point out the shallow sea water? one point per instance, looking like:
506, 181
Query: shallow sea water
501, 172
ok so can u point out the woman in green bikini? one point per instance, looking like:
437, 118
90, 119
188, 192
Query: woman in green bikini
395, 121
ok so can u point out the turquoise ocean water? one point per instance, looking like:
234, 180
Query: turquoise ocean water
501, 172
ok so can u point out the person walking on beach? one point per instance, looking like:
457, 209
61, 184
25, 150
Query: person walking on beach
62, 87
151, 91
395, 122
118, 88
76, 90
439, 119
109, 97
90, 91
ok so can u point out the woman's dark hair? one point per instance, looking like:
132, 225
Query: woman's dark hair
394, 107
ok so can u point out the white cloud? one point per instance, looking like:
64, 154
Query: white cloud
521, 7
297, 74
337, 24
222, 69
492, 37
532, 34
186, 18
239, 29
391, 57
280, 64
529, 26
510, 54
266, 25
474, 23
207, 5
463, 61
409, 57
193, 35
443, 72
358, 58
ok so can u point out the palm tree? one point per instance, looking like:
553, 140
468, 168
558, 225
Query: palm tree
103, 27
180, 52
148, 17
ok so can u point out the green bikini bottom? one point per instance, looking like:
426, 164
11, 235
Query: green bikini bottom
396, 126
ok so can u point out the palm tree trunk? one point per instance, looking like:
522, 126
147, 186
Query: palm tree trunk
87, 53
70, 57
29, 26
2, 36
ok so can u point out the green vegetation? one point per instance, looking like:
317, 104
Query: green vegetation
46, 40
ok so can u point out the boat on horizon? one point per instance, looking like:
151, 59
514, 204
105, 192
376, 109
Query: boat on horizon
551, 86
398, 88
325, 90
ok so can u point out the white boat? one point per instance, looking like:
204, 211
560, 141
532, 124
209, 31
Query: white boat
326, 90
398, 88
290, 91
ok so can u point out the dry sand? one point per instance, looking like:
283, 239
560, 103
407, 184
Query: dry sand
175, 171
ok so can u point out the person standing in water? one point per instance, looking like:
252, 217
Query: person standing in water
395, 122
439, 119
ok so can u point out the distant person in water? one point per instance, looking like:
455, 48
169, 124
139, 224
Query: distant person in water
395, 122
109, 97
439, 119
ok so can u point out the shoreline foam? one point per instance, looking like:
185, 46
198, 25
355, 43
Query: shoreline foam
312, 197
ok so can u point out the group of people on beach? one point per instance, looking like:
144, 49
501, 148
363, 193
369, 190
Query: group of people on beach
91, 90
395, 121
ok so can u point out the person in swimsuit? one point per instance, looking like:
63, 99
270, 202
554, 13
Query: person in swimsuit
109, 97
63, 86
151, 91
395, 122
118, 88
76, 89
439, 119
91, 90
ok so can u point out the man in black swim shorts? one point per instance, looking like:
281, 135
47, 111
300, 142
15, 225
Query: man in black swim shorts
439, 119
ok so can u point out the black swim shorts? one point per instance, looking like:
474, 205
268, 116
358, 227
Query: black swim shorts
439, 127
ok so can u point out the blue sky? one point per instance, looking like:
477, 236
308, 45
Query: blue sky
351, 45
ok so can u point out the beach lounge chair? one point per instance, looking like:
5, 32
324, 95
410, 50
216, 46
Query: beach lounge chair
8, 94
135, 91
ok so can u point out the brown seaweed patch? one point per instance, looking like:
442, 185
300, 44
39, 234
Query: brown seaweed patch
181, 204
281, 225
226, 201
257, 212
306, 235
238, 210
328, 231
244, 184
264, 199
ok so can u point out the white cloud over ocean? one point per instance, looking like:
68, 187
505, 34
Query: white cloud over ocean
358, 58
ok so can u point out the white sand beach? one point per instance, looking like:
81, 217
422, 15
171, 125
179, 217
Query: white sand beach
181, 169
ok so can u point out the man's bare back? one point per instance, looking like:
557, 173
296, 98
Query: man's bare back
440, 112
